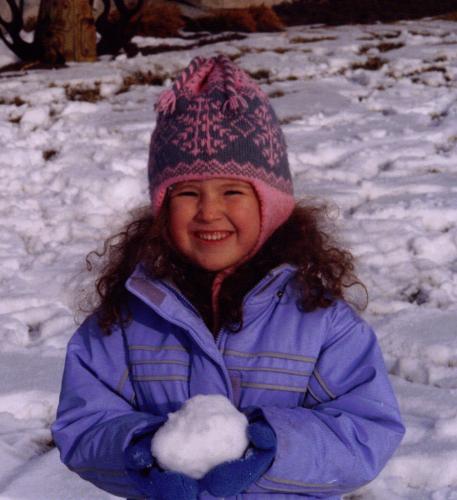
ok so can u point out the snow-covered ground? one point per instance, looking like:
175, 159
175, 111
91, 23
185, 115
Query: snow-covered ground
370, 115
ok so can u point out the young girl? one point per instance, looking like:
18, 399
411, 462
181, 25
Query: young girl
226, 286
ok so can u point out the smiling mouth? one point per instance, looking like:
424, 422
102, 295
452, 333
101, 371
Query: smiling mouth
212, 235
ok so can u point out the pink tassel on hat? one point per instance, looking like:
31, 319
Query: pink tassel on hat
166, 103
234, 102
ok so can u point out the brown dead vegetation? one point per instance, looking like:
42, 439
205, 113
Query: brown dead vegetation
80, 93
450, 16
266, 19
15, 101
262, 19
387, 47
371, 64
141, 78
275, 94
261, 74
159, 20
316, 39
339, 12
48, 154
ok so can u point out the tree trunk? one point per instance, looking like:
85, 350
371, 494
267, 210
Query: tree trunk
66, 31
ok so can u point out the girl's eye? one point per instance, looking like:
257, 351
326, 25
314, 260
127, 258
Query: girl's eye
186, 193
232, 192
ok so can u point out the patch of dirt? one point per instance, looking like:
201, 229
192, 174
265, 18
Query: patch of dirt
80, 93
25, 66
141, 78
301, 39
16, 101
289, 119
387, 47
276, 93
48, 154
261, 74
371, 64
386, 35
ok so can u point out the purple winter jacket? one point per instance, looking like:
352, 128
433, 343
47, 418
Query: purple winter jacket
318, 378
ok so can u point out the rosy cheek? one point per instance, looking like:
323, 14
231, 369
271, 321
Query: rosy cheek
174, 228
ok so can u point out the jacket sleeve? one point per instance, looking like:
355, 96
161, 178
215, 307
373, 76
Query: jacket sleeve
96, 420
349, 425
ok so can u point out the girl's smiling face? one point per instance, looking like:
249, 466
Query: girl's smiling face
215, 223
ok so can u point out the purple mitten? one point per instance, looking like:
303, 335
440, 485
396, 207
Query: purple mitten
153, 482
233, 477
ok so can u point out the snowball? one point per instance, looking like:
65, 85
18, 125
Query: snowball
205, 432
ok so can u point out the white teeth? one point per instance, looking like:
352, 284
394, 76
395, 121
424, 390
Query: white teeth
213, 236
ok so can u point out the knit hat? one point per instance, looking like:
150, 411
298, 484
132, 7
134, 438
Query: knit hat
215, 121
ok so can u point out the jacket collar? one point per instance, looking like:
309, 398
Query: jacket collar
169, 303
164, 298
270, 284
162, 293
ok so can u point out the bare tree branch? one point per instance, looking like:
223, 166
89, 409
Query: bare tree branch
125, 11
103, 17
5, 40
24, 50
16, 17
115, 33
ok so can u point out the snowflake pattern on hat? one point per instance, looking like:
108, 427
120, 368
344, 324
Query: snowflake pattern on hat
201, 130
204, 131
220, 116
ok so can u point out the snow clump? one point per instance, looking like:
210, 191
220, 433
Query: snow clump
206, 431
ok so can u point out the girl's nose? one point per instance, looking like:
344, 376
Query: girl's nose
209, 209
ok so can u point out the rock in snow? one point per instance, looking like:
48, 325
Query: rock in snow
204, 432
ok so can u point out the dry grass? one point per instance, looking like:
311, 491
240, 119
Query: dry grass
263, 19
290, 119
141, 78
365, 48
421, 33
338, 12
450, 16
276, 93
371, 64
316, 39
419, 76
387, 47
389, 35
281, 50
86, 94
261, 74
48, 154
159, 20
227, 20
15, 119
15, 101
266, 19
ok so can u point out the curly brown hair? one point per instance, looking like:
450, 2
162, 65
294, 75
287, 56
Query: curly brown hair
325, 271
